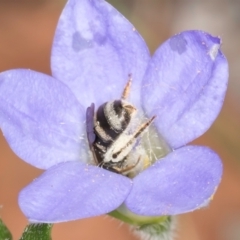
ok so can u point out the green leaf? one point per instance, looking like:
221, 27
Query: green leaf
37, 232
4, 232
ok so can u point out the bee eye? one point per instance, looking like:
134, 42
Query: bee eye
114, 155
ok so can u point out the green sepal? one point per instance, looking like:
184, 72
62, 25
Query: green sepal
5, 234
156, 229
37, 231
145, 227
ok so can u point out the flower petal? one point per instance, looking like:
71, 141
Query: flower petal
183, 181
95, 49
41, 118
185, 85
73, 190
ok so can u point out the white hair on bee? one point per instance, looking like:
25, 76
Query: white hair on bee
102, 133
114, 117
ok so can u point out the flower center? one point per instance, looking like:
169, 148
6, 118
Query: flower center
118, 138
122, 141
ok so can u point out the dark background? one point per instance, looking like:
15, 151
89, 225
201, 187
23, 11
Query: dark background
26, 32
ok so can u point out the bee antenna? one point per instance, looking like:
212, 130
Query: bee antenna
126, 90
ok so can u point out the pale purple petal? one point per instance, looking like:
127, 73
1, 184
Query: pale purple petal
73, 190
41, 118
185, 85
183, 181
95, 49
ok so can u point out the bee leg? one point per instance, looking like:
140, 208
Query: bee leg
135, 135
126, 169
126, 90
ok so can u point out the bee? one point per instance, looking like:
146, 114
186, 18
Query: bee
111, 139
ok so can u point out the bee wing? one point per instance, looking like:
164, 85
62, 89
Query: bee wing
90, 124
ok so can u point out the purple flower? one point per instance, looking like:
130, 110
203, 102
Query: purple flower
95, 49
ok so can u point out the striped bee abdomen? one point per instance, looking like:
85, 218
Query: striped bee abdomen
112, 118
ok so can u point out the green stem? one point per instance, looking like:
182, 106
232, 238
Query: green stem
146, 227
